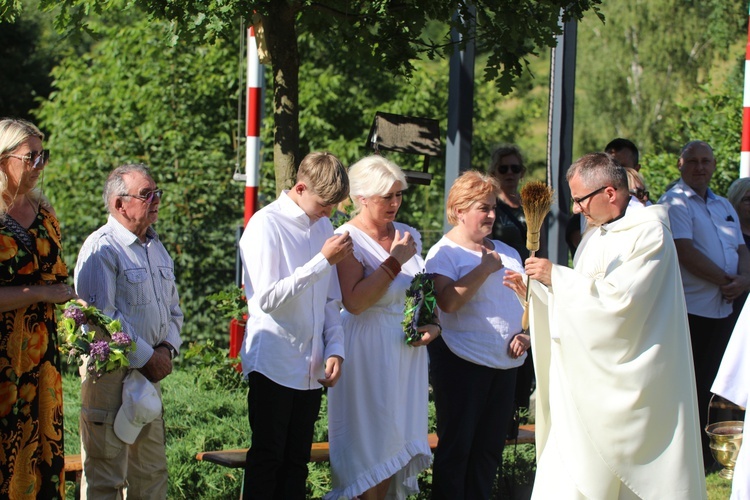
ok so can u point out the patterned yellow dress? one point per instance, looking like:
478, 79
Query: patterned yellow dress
31, 419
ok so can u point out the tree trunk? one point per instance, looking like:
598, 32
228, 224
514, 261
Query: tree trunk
281, 37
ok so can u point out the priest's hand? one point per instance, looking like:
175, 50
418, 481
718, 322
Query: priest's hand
540, 270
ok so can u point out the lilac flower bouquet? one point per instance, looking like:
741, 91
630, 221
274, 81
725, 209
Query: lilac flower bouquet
84, 332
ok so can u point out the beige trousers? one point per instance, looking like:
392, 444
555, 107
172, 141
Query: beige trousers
113, 469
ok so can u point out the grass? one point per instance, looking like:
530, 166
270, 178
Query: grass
206, 409
718, 488
198, 416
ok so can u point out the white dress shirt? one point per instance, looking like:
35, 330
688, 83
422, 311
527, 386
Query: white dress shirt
293, 296
714, 228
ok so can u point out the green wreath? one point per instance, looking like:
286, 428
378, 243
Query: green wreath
419, 306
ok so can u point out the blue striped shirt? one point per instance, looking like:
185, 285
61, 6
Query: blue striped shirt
134, 282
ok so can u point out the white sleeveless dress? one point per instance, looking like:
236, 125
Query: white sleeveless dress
377, 412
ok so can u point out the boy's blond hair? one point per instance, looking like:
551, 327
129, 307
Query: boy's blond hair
324, 175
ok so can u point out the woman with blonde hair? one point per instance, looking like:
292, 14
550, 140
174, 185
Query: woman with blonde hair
739, 196
473, 364
637, 186
377, 413
32, 280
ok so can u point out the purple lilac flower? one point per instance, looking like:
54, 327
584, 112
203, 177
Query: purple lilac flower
100, 350
76, 314
121, 338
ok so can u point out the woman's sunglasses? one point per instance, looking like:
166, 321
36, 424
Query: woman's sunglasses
515, 168
37, 159
640, 193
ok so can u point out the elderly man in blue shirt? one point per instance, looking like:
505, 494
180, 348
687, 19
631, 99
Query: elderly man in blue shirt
124, 270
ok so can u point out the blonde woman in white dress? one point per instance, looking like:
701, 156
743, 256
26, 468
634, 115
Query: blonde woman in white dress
377, 413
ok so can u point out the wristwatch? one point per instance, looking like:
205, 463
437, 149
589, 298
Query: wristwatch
172, 350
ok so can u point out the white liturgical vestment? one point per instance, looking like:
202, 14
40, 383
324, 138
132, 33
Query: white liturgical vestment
616, 413
733, 383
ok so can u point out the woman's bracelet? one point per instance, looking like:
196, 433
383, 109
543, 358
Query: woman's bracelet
440, 328
391, 266
387, 271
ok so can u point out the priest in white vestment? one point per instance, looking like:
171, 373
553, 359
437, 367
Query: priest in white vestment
616, 412
733, 383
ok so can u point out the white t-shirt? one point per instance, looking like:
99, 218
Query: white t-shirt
481, 330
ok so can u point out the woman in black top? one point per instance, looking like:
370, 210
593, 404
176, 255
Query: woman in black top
507, 167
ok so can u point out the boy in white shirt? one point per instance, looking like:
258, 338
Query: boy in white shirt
294, 341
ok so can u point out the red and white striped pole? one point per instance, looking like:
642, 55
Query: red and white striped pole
252, 163
745, 154
254, 116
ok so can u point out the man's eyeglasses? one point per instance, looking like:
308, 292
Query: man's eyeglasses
148, 197
580, 200
515, 168
37, 159
640, 193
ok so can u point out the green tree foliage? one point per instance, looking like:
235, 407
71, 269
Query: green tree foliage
20, 56
519, 118
133, 98
649, 56
714, 117
29, 49
381, 33
339, 97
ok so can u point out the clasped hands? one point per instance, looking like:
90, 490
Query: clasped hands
158, 366
737, 285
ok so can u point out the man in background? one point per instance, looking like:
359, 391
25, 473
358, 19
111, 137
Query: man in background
625, 152
714, 261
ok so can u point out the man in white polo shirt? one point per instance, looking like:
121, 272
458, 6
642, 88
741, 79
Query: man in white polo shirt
714, 262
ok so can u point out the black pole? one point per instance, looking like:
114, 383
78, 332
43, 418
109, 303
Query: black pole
560, 138
460, 106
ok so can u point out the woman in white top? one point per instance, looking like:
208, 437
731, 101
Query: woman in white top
377, 413
473, 364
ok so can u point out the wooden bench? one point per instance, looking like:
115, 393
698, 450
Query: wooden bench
319, 452
73, 469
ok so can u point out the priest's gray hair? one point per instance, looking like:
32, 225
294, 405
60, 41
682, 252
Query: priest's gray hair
599, 169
